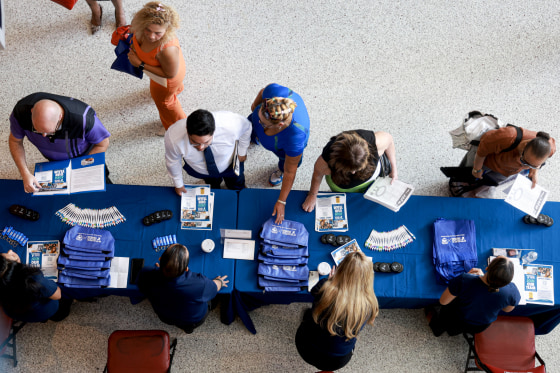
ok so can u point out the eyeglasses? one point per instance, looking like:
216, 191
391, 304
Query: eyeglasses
526, 164
202, 145
50, 135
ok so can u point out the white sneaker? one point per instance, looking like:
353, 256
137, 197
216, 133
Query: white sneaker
276, 178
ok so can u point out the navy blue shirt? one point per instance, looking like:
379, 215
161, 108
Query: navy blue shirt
178, 301
479, 306
43, 308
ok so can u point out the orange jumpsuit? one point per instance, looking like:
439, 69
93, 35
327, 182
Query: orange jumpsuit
165, 98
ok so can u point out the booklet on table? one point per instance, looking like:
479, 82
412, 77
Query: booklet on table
44, 255
76, 175
197, 207
330, 213
391, 195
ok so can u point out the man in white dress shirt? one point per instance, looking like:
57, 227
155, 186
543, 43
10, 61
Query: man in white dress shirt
206, 142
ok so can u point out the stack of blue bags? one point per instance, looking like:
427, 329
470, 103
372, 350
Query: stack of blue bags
85, 260
454, 249
283, 256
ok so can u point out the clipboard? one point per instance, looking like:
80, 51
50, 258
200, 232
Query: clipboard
236, 158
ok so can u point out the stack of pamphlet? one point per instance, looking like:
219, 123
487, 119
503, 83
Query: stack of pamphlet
330, 213
43, 255
283, 256
197, 207
535, 282
391, 195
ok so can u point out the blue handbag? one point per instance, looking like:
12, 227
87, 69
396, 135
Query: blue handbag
454, 248
122, 63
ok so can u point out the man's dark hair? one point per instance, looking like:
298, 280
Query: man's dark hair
201, 123
540, 146
174, 261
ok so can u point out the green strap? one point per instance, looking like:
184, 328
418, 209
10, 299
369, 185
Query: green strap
357, 189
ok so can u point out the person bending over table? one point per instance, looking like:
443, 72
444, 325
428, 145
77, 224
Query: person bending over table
207, 143
489, 161
60, 127
26, 295
179, 296
281, 125
351, 161
473, 300
342, 305
155, 49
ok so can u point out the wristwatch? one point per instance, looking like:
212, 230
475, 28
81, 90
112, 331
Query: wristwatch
141, 66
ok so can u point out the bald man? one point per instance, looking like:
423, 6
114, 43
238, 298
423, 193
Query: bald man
60, 127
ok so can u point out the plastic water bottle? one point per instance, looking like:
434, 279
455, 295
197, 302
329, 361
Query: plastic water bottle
530, 257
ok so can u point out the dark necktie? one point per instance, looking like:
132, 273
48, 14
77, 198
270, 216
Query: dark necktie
210, 163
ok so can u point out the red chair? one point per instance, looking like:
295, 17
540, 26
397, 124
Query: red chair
508, 345
139, 351
8, 330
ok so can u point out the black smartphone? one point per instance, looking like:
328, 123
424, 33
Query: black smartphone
136, 266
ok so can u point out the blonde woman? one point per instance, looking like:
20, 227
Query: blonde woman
281, 125
156, 50
351, 161
344, 303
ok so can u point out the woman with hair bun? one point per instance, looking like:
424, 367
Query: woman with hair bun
493, 160
343, 304
281, 125
155, 49
473, 300
26, 295
351, 161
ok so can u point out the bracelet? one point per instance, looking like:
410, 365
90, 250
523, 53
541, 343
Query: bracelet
141, 66
282, 202
476, 171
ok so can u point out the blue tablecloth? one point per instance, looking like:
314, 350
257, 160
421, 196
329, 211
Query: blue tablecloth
132, 238
497, 225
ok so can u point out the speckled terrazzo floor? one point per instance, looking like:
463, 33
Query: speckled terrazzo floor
410, 68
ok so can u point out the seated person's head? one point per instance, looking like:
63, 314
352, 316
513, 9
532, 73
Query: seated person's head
174, 261
499, 273
18, 287
537, 150
355, 270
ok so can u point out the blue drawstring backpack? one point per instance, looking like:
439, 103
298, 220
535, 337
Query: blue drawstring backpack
289, 233
91, 240
284, 272
281, 260
64, 262
454, 249
77, 282
280, 251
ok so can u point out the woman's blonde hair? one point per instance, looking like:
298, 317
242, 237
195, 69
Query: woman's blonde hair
155, 13
347, 300
278, 109
350, 153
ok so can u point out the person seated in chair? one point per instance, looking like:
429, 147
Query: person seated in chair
492, 160
179, 296
351, 161
26, 295
473, 300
